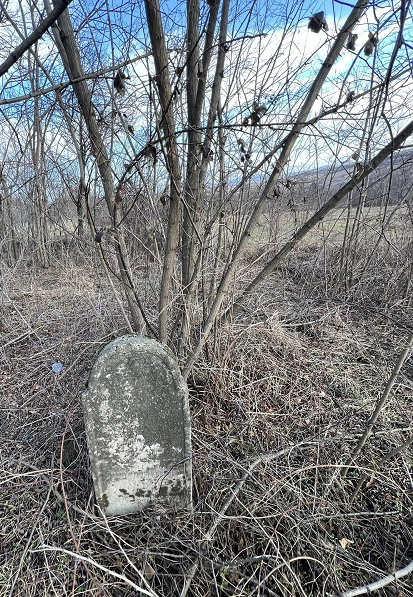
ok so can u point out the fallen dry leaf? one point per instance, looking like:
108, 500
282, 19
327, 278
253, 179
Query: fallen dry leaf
345, 542
149, 572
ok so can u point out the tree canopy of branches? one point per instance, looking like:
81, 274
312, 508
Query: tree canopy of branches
173, 128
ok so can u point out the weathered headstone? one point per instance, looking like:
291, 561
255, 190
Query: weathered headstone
138, 427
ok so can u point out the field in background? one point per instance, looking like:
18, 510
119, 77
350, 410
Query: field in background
395, 221
283, 391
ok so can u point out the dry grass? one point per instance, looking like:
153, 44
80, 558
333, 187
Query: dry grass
278, 402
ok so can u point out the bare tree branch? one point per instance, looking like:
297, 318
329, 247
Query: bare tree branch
33, 37
61, 86
321, 213
160, 57
272, 181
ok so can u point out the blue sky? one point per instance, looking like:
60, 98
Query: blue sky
247, 17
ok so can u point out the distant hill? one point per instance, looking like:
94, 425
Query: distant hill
325, 181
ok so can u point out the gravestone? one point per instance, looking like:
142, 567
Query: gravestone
138, 427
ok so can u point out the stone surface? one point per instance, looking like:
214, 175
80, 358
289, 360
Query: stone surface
138, 427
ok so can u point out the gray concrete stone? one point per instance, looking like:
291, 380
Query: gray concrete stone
138, 427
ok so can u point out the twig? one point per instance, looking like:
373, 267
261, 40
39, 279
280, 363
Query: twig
69, 522
388, 456
29, 540
379, 584
58, 496
93, 563
21, 337
62, 86
400, 361
31, 330
102, 340
261, 459
115, 293
131, 564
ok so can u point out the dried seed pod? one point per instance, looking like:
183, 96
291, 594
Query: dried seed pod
149, 151
317, 22
255, 118
119, 82
351, 41
260, 110
350, 96
370, 44
256, 114
207, 153
175, 94
241, 145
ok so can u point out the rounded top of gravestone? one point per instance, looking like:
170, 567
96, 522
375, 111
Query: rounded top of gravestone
138, 342
133, 352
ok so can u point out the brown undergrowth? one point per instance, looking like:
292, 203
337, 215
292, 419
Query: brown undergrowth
278, 402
